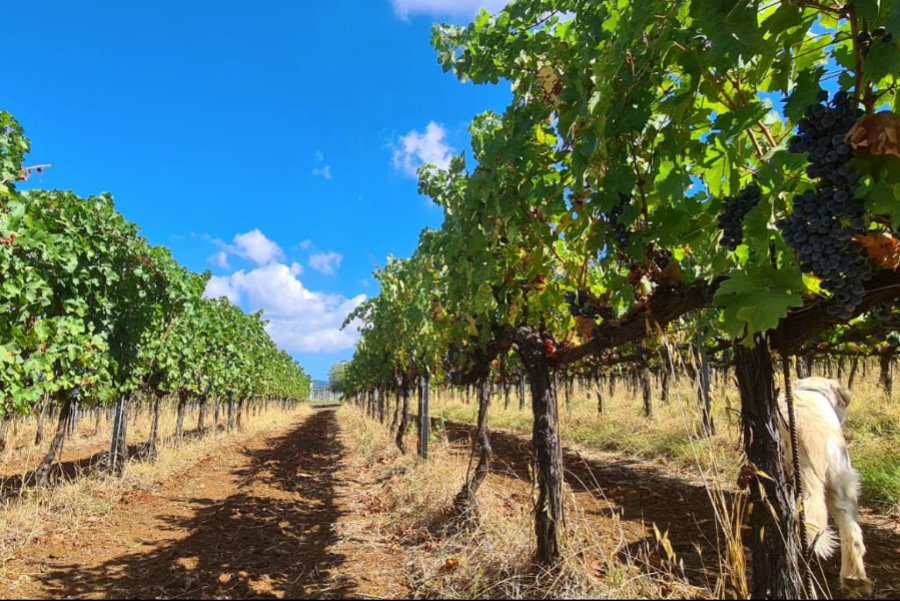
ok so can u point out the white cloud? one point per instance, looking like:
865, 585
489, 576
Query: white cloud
252, 245
220, 259
221, 286
459, 8
255, 246
324, 172
300, 320
326, 263
416, 149
306, 244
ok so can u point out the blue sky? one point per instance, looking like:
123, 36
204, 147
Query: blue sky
273, 143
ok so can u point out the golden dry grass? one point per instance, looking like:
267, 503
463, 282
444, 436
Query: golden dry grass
491, 557
674, 433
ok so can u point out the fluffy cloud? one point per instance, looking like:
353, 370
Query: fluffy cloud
252, 245
300, 320
459, 8
221, 286
255, 246
327, 263
416, 149
220, 259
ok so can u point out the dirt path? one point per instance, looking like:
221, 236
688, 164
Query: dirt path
259, 519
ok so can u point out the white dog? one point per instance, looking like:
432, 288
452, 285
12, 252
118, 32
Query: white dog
830, 484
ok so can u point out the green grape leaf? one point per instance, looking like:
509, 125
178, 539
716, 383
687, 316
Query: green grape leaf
757, 298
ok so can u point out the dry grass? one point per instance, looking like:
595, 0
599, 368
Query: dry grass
674, 434
492, 557
674, 438
74, 505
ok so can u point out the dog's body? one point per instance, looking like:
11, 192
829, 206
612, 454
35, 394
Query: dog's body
830, 484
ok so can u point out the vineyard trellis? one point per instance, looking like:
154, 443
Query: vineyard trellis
92, 316
706, 173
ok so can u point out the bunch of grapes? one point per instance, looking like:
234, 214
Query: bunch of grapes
867, 38
825, 220
620, 230
734, 209
580, 304
661, 256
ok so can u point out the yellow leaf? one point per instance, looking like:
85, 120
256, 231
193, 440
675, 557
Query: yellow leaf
472, 328
549, 80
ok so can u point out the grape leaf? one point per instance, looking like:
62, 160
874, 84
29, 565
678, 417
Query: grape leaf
756, 298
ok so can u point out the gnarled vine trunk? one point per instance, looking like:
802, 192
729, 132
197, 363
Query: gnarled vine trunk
703, 386
521, 393
153, 439
886, 378
548, 515
179, 416
5, 423
773, 525
804, 365
424, 414
201, 418
396, 417
229, 424
118, 448
404, 421
599, 395
216, 407
854, 367
41, 475
644, 379
39, 427
465, 500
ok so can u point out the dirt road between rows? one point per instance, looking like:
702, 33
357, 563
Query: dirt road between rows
258, 519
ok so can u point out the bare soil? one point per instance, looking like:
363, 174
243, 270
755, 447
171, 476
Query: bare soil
259, 519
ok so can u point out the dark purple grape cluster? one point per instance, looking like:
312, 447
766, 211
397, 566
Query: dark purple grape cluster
825, 220
821, 135
620, 231
867, 38
580, 304
734, 209
662, 257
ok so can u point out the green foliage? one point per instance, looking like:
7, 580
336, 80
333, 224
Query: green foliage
629, 123
337, 377
90, 311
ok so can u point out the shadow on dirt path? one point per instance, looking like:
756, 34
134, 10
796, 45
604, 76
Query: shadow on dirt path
643, 493
251, 522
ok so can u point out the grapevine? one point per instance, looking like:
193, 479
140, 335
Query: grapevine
580, 304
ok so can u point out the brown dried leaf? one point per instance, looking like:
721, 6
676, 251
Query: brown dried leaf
876, 135
883, 249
